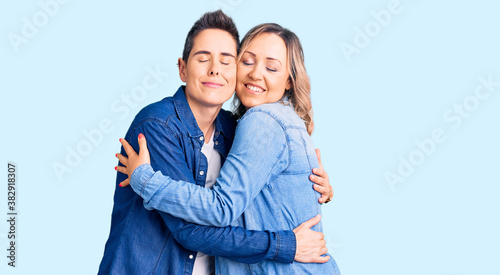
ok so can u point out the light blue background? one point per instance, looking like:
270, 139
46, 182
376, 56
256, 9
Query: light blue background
443, 219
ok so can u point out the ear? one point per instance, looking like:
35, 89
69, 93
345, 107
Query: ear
288, 84
182, 69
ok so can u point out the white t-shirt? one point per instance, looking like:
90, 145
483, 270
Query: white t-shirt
204, 264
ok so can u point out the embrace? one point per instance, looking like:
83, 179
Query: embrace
214, 192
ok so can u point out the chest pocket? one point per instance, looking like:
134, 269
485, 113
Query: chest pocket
302, 154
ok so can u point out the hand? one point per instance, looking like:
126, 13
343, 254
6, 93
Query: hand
322, 182
310, 244
134, 160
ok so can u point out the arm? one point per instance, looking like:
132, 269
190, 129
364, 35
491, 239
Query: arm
259, 153
234, 243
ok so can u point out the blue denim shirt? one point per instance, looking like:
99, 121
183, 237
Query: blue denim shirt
152, 242
266, 176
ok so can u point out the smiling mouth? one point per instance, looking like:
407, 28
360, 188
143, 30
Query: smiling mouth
212, 84
254, 89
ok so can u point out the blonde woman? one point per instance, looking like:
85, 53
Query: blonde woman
264, 183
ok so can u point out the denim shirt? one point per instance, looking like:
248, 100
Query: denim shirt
153, 242
265, 176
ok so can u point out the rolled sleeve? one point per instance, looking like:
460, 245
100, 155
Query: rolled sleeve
140, 177
286, 246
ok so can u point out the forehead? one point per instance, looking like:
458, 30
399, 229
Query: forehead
214, 41
268, 45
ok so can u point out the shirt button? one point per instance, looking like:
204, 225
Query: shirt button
201, 138
202, 173
216, 143
191, 257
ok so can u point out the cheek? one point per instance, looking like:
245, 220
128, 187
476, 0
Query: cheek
241, 73
278, 86
229, 73
232, 74
195, 72
239, 90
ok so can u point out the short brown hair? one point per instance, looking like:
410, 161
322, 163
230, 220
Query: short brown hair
210, 20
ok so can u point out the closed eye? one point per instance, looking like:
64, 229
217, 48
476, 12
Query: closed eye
271, 70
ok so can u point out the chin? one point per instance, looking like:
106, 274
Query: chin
250, 103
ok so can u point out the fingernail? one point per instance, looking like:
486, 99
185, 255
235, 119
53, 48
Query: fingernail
116, 168
120, 140
116, 155
141, 135
120, 185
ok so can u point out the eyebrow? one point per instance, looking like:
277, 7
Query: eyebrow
228, 54
207, 52
268, 58
201, 52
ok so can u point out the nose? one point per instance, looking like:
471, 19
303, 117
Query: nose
214, 69
255, 73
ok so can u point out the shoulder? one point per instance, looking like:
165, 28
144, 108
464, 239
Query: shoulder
158, 116
264, 116
283, 114
160, 110
227, 122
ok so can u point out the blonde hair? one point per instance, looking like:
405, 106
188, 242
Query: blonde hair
299, 93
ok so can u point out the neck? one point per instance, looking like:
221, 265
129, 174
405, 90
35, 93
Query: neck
205, 117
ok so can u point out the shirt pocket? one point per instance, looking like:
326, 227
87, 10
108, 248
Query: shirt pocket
302, 155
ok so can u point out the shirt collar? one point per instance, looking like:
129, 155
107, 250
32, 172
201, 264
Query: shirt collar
185, 114
224, 124
286, 101
187, 118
